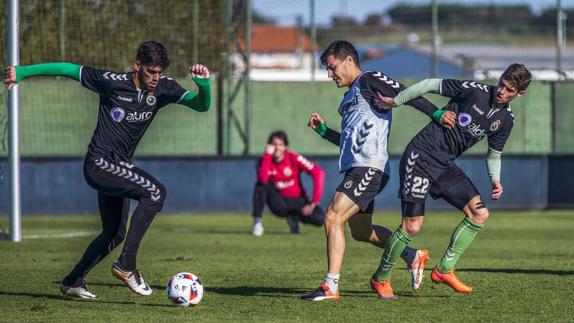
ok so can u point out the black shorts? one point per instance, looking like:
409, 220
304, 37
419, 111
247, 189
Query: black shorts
362, 184
419, 177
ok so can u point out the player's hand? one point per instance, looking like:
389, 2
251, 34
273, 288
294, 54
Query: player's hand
10, 76
315, 120
384, 102
308, 209
270, 149
448, 119
199, 70
496, 190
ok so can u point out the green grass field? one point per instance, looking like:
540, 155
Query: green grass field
520, 267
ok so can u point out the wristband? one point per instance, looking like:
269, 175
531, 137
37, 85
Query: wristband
321, 129
437, 115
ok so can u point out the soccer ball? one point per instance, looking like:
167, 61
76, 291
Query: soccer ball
185, 289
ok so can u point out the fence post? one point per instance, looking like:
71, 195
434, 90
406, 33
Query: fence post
435, 38
13, 45
313, 30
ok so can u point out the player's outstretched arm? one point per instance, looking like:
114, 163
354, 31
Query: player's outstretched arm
416, 90
15, 74
320, 126
412, 94
200, 101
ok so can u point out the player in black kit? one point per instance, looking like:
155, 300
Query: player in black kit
428, 163
128, 104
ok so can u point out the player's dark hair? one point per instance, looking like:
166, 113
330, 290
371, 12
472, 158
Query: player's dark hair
279, 134
340, 49
152, 53
518, 76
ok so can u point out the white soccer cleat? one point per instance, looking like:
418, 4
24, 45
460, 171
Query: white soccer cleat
80, 292
257, 229
132, 279
417, 268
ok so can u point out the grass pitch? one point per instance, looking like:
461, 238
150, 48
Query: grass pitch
520, 266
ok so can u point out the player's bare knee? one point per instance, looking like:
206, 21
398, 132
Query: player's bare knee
330, 217
480, 216
411, 226
333, 217
479, 212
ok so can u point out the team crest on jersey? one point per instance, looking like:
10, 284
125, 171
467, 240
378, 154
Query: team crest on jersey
348, 184
464, 119
117, 114
494, 126
150, 100
287, 171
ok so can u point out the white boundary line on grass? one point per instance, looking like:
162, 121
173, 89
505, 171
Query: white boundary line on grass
60, 235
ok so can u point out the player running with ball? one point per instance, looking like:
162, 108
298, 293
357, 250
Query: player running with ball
364, 160
128, 104
428, 164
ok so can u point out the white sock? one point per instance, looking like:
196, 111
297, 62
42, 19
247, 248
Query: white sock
409, 255
332, 281
257, 220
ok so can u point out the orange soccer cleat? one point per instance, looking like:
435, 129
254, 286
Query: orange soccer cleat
383, 289
451, 280
417, 268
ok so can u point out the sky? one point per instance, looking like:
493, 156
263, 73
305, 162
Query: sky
285, 11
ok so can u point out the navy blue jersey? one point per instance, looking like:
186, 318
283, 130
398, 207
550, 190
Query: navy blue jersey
125, 112
478, 117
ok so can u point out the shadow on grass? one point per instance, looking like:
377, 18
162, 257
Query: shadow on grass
519, 271
68, 299
225, 231
296, 292
119, 285
263, 291
257, 291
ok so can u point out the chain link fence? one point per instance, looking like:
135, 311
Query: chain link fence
473, 40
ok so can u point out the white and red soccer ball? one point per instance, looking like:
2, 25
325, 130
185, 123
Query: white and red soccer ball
185, 289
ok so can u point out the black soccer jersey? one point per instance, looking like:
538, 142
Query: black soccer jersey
125, 111
478, 117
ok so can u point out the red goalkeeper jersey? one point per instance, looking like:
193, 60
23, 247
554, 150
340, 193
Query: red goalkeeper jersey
286, 175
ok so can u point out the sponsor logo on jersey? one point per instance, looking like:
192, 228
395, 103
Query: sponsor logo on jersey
494, 126
117, 114
150, 100
124, 99
138, 116
348, 184
475, 108
476, 131
281, 185
287, 171
464, 119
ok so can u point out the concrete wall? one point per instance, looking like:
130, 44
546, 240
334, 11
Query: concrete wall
560, 180
57, 186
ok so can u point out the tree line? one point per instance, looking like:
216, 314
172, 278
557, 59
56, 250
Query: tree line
106, 33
